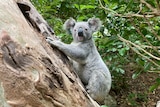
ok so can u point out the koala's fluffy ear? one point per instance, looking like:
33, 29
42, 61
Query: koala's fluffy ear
94, 24
69, 24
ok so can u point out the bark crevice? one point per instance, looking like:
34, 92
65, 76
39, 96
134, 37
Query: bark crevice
35, 19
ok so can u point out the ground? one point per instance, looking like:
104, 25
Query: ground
136, 93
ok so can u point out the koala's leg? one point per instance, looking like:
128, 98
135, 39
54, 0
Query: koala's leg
98, 86
74, 52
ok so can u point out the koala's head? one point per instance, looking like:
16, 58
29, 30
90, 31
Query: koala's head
82, 31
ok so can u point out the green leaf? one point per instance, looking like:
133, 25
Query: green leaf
77, 6
104, 106
158, 80
113, 49
136, 74
157, 28
106, 1
147, 66
155, 86
121, 71
122, 51
82, 7
148, 36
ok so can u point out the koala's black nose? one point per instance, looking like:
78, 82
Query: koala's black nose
80, 32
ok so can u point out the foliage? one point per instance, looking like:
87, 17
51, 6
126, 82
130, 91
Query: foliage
133, 98
104, 106
156, 85
128, 40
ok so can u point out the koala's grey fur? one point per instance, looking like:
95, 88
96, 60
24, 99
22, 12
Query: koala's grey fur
86, 60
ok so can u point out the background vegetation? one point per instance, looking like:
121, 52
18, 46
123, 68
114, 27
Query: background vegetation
129, 40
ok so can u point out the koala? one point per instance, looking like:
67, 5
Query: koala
87, 62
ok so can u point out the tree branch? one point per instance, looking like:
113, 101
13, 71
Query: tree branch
152, 30
144, 56
138, 47
154, 12
148, 42
110, 10
135, 15
140, 8
150, 47
158, 4
148, 5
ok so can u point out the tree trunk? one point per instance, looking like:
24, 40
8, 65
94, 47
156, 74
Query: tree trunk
32, 74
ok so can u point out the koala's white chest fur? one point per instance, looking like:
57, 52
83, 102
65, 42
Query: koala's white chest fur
92, 64
93, 72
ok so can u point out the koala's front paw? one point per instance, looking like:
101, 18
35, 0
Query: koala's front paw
54, 42
49, 39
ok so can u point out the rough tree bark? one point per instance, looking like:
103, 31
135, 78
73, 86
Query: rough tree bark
32, 74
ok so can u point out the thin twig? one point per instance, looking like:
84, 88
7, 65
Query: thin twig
151, 71
110, 10
150, 47
137, 29
134, 15
127, 15
152, 30
147, 15
137, 46
149, 6
136, 51
140, 8
145, 57
158, 4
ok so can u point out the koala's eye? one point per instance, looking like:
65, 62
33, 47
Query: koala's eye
74, 29
86, 29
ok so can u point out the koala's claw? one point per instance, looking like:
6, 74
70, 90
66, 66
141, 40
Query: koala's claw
53, 42
49, 39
